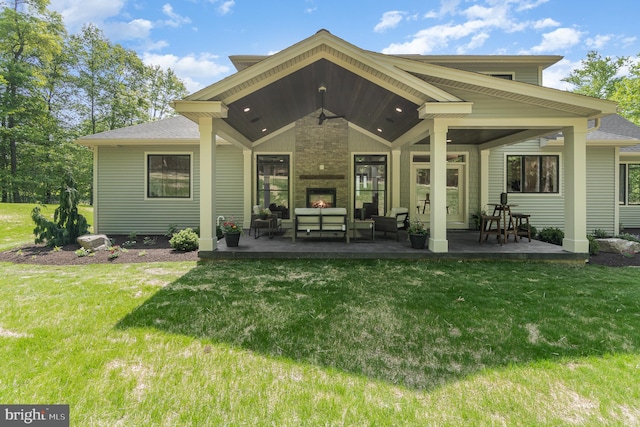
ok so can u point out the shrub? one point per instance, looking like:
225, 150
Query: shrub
594, 245
184, 240
67, 223
628, 236
551, 235
599, 233
171, 230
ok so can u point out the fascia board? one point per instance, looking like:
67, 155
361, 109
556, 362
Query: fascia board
520, 88
299, 49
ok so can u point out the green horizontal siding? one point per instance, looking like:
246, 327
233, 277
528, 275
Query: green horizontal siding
120, 190
546, 210
601, 194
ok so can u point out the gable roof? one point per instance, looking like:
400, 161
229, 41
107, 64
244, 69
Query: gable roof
379, 94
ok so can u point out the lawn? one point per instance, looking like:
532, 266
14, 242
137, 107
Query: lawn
16, 226
323, 343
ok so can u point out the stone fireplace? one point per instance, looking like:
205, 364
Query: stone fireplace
322, 161
321, 197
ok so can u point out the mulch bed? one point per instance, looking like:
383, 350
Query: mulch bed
138, 252
161, 251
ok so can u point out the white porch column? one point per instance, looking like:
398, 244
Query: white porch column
484, 178
438, 231
247, 174
575, 188
395, 178
208, 239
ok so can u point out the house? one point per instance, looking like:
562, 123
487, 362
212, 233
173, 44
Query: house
326, 120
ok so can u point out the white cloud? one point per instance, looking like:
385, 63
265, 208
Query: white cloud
552, 76
174, 20
545, 23
135, 29
598, 42
226, 6
527, 5
195, 71
558, 40
389, 20
476, 42
76, 13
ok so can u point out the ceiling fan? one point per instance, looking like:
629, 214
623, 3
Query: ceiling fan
322, 117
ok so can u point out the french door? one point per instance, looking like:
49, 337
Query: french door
421, 194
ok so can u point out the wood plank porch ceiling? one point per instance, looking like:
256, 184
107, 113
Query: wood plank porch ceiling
286, 100
362, 102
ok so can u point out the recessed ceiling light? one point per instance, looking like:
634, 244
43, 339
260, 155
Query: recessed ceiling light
379, 130
399, 110
247, 109
448, 140
264, 129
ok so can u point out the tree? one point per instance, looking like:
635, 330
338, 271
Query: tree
31, 37
598, 76
627, 94
110, 83
163, 87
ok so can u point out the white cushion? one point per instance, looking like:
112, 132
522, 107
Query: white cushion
334, 211
307, 211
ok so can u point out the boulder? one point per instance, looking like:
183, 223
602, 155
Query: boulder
618, 246
94, 242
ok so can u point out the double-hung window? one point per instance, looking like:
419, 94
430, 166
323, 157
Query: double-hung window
629, 184
533, 174
169, 176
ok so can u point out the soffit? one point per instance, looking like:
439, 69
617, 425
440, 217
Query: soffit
578, 109
377, 109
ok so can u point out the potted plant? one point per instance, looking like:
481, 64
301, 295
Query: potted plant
418, 234
231, 231
265, 213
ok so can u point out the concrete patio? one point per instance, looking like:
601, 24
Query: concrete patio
463, 245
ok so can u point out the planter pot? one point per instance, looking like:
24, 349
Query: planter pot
418, 241
232, 239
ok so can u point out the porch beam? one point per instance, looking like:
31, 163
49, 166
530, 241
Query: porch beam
413, 135
430, 110
438, 216
513, 139
230, 134
575, 201
208, 239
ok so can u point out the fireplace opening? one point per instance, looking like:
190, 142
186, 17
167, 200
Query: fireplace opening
321, 197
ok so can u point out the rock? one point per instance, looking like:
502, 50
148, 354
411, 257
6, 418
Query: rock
618, 246
94, 242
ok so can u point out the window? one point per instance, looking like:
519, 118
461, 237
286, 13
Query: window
533, 174
370, 185
273, 182
630, 184
169, 176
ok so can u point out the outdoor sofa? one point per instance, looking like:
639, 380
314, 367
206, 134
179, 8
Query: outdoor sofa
327, 222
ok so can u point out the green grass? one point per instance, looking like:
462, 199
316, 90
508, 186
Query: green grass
323, 343
16, 226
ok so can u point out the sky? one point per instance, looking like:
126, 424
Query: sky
195, 37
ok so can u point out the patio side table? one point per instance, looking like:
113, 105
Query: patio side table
262, 223
363, 224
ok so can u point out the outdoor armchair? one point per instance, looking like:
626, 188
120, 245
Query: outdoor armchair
393, 222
